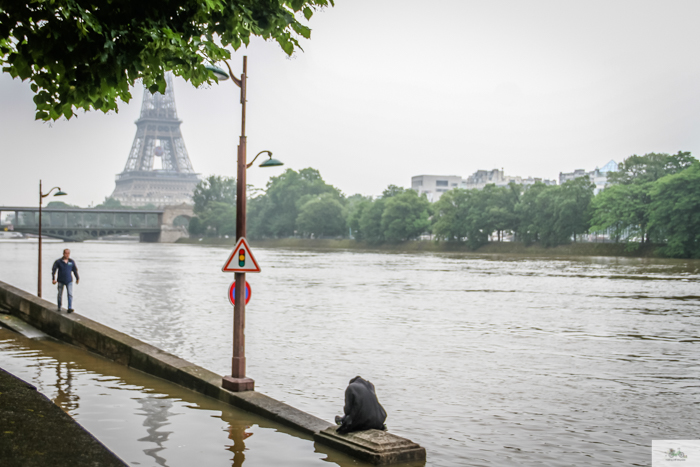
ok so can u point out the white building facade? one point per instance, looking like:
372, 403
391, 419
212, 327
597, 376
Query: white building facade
433, 186
481, 178
599, 176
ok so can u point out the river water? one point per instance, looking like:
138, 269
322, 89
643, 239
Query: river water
150, 422
484, 360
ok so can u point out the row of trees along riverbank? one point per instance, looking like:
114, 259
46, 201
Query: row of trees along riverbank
652, 199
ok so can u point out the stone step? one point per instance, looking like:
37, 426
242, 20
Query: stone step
374, 446
17, 325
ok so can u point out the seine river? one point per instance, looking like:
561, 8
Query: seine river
484, 360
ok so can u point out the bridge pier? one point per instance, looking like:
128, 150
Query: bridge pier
170, 234
149, 237
167, 234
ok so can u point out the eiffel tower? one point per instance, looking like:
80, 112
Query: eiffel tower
158, 170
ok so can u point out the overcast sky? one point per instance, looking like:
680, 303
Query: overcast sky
389, 89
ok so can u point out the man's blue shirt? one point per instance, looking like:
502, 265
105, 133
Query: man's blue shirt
65, 270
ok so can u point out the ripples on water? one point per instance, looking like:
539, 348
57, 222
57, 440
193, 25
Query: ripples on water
482, 360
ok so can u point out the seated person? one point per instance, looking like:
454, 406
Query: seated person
362, 409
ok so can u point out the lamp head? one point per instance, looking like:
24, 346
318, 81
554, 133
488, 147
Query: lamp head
271, 162
220, 74
60, 193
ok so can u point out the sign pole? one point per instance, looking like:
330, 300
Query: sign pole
238, 381
41, 200
238, 362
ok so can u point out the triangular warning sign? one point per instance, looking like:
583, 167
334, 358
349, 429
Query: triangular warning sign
241, 259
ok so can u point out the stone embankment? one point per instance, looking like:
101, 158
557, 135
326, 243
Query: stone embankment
373, 446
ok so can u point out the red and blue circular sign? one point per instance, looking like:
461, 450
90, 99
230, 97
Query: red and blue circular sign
232, 293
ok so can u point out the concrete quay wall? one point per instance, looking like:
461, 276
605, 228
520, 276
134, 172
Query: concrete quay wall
372, 446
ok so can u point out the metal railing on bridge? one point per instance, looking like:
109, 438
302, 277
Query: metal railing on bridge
77, 224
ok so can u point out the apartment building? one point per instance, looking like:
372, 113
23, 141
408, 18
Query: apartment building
433, 186
599, 176
481, 178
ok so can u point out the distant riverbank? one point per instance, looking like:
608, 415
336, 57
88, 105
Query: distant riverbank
494, 248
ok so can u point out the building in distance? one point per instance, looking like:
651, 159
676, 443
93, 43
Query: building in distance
481, 178
599, 176
433, 186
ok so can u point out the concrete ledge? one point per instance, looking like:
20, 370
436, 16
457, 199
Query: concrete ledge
373, 446
121, 348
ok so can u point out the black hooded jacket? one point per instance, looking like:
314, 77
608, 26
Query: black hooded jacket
362, 409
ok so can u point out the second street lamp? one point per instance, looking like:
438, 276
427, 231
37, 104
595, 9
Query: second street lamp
268, 163
41, 201
238, 380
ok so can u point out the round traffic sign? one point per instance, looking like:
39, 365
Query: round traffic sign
232, 293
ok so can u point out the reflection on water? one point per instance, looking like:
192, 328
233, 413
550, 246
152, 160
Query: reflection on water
482, 360
157, 413
65, 398
238, 434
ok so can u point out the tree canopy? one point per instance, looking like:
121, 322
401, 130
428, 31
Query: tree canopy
214, 188
405, 216
370, 222
657, 200
649, 167
450, 214
275, 213
321, 216
624, 208
675, 213
462, 215
215, 206
85, 54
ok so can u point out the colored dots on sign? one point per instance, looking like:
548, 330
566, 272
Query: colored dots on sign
241, 259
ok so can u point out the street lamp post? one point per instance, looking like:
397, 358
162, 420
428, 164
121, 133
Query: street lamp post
41, 201
238, 380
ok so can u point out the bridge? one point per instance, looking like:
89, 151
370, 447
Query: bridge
77, 224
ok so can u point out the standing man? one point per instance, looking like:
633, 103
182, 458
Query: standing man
65, 267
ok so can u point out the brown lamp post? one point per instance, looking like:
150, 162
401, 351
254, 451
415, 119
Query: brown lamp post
238, 380
41, 201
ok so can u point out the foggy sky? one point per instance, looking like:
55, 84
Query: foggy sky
388, 89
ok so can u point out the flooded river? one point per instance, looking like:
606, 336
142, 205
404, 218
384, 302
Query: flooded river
485, 361
150, 422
